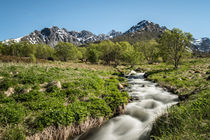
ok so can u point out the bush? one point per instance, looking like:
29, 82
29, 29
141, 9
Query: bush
61, 116
80, 111
98, 107
5, 99
93, 55
31, 96
79, 93
14, 133
32, 58
114, 99
44, 52
45, 104
67, 51
6, 83
11, 114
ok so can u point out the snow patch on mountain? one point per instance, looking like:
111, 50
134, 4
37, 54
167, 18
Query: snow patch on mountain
202, 44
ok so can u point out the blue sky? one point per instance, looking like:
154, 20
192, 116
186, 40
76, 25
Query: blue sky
20, 17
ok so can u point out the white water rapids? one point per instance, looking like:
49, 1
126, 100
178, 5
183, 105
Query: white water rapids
150, 102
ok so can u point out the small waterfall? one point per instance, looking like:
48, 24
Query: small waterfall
149, 102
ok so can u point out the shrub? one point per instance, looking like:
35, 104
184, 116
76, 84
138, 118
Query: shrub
80, 111
32, 58
76, 92
45, 104
11, 114
6, 83
31, 96
5, 99
67, 51
114, 99
93, 55
98, 107
61, 116
14, 133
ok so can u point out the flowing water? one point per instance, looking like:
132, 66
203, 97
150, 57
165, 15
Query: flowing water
149, 102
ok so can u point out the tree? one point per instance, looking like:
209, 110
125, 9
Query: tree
83, 51
22, 49
44, 51
10, 48
126, 53
25, 49
93, 53
149, 49
67, 51
108, 51
174, 45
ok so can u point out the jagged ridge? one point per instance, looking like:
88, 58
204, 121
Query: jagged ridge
52, 36
144, 30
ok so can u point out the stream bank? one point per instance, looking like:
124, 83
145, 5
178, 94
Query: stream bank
149, 102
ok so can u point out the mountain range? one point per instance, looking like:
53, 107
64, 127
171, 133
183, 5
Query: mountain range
202, 45
144, 30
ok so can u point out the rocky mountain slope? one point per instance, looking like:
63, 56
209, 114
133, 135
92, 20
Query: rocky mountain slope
202, 45
52, 36
144, 30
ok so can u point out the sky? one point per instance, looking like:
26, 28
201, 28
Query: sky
21, 17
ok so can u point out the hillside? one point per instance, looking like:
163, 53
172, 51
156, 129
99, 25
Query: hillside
144, 30
56, 97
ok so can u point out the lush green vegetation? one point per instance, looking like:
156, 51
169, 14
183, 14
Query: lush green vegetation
174, 45
171, 48
35, 96
191, 118
105, 52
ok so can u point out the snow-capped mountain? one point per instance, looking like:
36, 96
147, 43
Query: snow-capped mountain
144, 30
202, 44
114, 33
145, 25
52, 36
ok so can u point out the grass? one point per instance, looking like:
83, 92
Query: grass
36, 100
190, 119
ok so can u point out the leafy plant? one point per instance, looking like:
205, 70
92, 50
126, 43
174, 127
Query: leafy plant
11, 114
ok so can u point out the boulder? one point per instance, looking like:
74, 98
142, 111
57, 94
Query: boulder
26, 90
55, 83
9, 92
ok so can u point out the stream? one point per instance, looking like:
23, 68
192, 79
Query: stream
149, 102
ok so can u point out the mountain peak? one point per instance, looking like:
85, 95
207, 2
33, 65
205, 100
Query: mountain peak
113, 33
145, 25
144, 22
